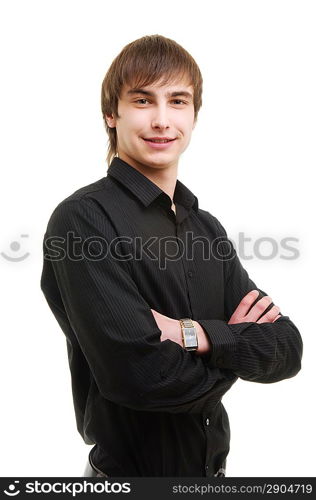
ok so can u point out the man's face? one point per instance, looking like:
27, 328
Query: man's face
153, 112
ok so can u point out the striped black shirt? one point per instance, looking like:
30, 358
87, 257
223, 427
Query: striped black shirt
114, 250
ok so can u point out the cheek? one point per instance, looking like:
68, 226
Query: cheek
135, 124
186, 130
139, 123
185, 123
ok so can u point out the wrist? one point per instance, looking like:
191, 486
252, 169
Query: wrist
189, 334
204, 343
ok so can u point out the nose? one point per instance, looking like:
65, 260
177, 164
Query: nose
160, 118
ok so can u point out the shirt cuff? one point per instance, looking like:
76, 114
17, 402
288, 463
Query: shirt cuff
224, 342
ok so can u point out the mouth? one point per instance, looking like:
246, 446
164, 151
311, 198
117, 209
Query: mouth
159, 141
159, 144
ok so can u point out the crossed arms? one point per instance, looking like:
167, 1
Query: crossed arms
249, 310
104, 316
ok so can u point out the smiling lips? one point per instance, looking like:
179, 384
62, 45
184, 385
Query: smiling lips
159, 140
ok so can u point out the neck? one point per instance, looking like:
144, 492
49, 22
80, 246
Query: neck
165, 178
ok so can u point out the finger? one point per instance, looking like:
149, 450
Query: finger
244, 306
270, 316
258, 309
278, 316
154, 313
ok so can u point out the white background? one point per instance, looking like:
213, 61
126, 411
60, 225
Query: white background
254, 146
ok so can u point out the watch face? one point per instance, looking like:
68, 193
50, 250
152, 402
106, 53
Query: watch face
190, 337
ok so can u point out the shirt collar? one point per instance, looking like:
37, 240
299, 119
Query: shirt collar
146, 190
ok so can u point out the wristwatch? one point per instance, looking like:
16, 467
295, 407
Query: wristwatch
189, 335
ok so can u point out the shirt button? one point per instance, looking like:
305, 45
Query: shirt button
206, 467
190, 274
207, 421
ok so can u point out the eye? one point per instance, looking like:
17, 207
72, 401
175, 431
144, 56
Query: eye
179, 101
143, 99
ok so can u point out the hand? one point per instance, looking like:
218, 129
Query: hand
169, 327
242, 313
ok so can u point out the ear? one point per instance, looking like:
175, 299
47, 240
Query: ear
110, 120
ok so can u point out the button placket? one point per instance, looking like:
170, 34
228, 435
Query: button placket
179, 234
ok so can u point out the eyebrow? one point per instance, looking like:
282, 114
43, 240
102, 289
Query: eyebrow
168, 94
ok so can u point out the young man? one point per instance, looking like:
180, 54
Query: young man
160, 316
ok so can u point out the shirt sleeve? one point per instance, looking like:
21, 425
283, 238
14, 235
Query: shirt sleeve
264, 352
113, 324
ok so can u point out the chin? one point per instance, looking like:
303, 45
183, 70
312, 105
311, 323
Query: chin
159, 162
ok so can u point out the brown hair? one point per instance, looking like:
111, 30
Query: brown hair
143, 62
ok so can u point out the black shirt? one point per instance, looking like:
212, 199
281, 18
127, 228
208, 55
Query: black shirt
114, 250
